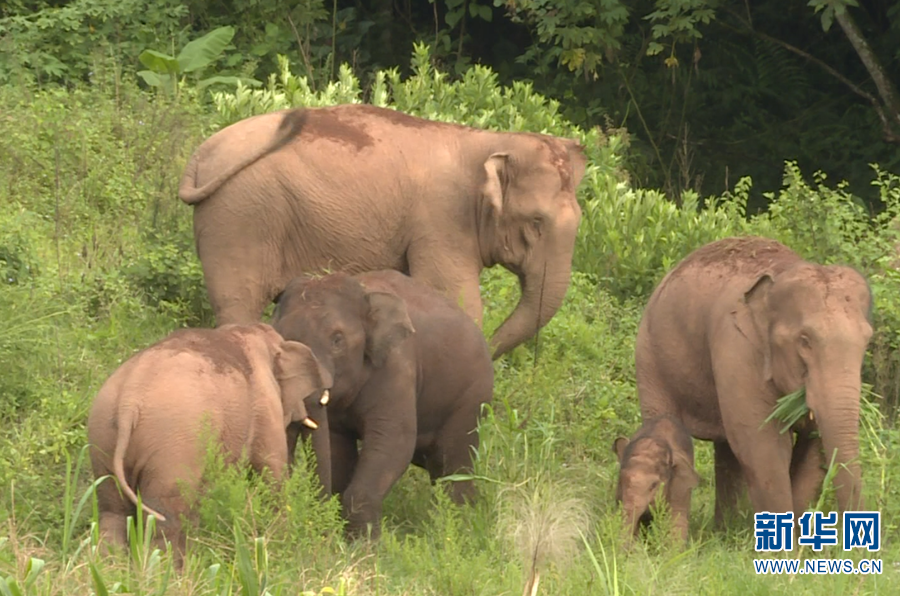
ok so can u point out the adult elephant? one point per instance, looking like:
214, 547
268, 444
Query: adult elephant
360, 188
736, 325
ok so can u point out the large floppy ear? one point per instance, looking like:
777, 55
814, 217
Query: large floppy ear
578, 160
496, 170
300, 374
756, 316
388, 324
685, 474
619, 446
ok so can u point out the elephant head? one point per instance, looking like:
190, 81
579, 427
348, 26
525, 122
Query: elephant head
348, 327
304, 385
648, 464
301, 378
529, 223
814, 323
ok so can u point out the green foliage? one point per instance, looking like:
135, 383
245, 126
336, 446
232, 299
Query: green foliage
631, 237
164, 70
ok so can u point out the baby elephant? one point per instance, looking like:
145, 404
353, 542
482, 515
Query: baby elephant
659, 453
411, 371
148, 423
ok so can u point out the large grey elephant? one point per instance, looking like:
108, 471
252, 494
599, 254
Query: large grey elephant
360, 188
738, 324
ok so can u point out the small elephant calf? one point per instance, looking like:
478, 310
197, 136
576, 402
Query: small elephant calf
148, 423
661, 452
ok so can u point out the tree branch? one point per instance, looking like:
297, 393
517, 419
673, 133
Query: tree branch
890, 135
870, 60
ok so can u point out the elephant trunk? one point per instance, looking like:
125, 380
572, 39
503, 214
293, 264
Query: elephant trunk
321, 445
544, 285
835, 406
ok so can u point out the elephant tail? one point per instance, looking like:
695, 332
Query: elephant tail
126, 425
291, 125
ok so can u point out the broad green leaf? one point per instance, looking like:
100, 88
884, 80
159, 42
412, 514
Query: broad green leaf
153, 79
827, 18
158, 62
32, 570
10, 587
204, 50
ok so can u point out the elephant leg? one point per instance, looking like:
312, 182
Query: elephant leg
461, 284
270, 452
763, 452
453, 452
388, 444
114, 511
729, 483
807, 472
238, 276
765, 463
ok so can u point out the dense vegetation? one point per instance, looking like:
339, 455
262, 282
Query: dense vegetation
709, 90
97, 259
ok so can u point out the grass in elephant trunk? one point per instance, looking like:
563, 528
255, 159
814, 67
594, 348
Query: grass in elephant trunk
792, 407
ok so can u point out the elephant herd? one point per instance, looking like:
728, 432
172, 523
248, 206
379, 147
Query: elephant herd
369, 228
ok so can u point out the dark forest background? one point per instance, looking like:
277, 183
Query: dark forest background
708, 90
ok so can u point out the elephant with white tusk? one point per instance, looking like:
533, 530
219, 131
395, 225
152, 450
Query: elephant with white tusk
358, 188
147, 425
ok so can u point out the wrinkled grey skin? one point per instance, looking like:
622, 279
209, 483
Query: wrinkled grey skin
148, 426
359, 188
657, 461
738, 324
411, 371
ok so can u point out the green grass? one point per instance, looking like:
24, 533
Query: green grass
98, 263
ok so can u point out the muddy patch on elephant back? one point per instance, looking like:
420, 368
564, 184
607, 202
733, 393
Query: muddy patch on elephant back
334, 126
741, 254
403, 119
224, 352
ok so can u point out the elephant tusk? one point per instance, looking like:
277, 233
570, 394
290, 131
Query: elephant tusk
325, 397
310, 423
811, 415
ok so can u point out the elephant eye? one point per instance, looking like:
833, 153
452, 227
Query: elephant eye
337, 340
804, 341
537, 222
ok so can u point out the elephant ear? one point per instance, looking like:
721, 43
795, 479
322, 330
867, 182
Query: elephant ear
619, 446
388, 324
756, 301
300, 374
496, 170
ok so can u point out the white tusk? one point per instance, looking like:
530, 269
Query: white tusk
325, 397
310, 423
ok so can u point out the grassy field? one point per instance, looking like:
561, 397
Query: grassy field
97, 261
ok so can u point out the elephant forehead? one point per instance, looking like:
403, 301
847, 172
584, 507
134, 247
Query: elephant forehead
559, 159
832, 289
646, 453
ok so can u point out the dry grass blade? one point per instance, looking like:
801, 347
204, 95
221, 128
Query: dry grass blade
543, 519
